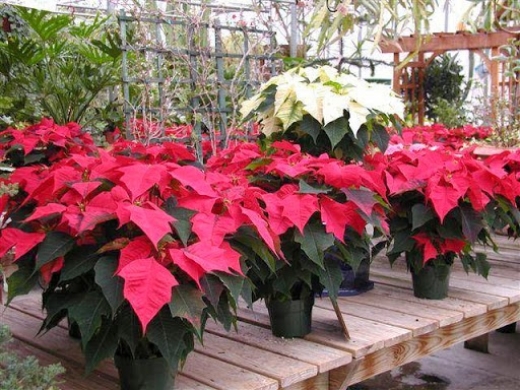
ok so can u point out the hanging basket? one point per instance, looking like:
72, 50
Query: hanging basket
144, 374
290, 318
431, 282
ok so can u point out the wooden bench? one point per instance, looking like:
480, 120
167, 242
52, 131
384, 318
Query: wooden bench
388, 328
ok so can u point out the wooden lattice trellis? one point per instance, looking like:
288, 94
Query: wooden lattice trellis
408, 80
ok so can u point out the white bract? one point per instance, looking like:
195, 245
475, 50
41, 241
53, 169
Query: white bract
324, 94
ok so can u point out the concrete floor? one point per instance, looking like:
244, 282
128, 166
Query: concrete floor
458, 368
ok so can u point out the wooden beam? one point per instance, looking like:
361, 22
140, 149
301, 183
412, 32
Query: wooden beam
448, 41
418, 347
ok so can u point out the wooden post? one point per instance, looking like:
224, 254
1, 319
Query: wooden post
479, 344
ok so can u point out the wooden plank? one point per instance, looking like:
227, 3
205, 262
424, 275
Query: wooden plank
394, 278
442, 309
415, 309
493, 280
484, 287
447, 42
320, 382
323, 357
411, 350
224, 376
286, 371
366, 335
418, 325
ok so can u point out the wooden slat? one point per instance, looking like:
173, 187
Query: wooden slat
366, 335
286, 371
442, 309
415, 309
224, 376
416, 324
401, 279
323, 357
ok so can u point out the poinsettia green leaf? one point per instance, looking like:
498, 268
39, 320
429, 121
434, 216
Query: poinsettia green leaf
380, 136
224, 314
421, 214
129, 327
258, 163
23, 280
88, 314
233, 283
212, 287
187, 303
111, 284
182, 222
101, 346
314, 241
330, 277
472, 223
305, 188
247, 292
78, 262
56, 306
310, 126
477, 263
362, 197
402, 242
258, 248
336, 130
350, 256
168, 334
54, 245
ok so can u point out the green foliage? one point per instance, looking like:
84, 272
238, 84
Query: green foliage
443, 90
26, 373
58, 68
452, 115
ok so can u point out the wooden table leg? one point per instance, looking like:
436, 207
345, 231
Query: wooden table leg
479, 343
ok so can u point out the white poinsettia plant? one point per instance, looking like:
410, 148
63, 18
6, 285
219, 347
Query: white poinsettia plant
312, 101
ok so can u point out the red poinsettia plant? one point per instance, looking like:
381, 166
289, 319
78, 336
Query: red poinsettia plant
134, 244
43, 143
443, 201
438, 134
312, 204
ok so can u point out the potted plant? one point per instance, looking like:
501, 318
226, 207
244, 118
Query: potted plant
326, 111
443, 202
308, 203
133, 243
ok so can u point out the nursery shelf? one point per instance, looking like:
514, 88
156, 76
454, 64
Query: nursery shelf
387, 325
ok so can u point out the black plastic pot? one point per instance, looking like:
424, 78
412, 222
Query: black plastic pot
431, 282
355, 283
144, 374
290, 318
